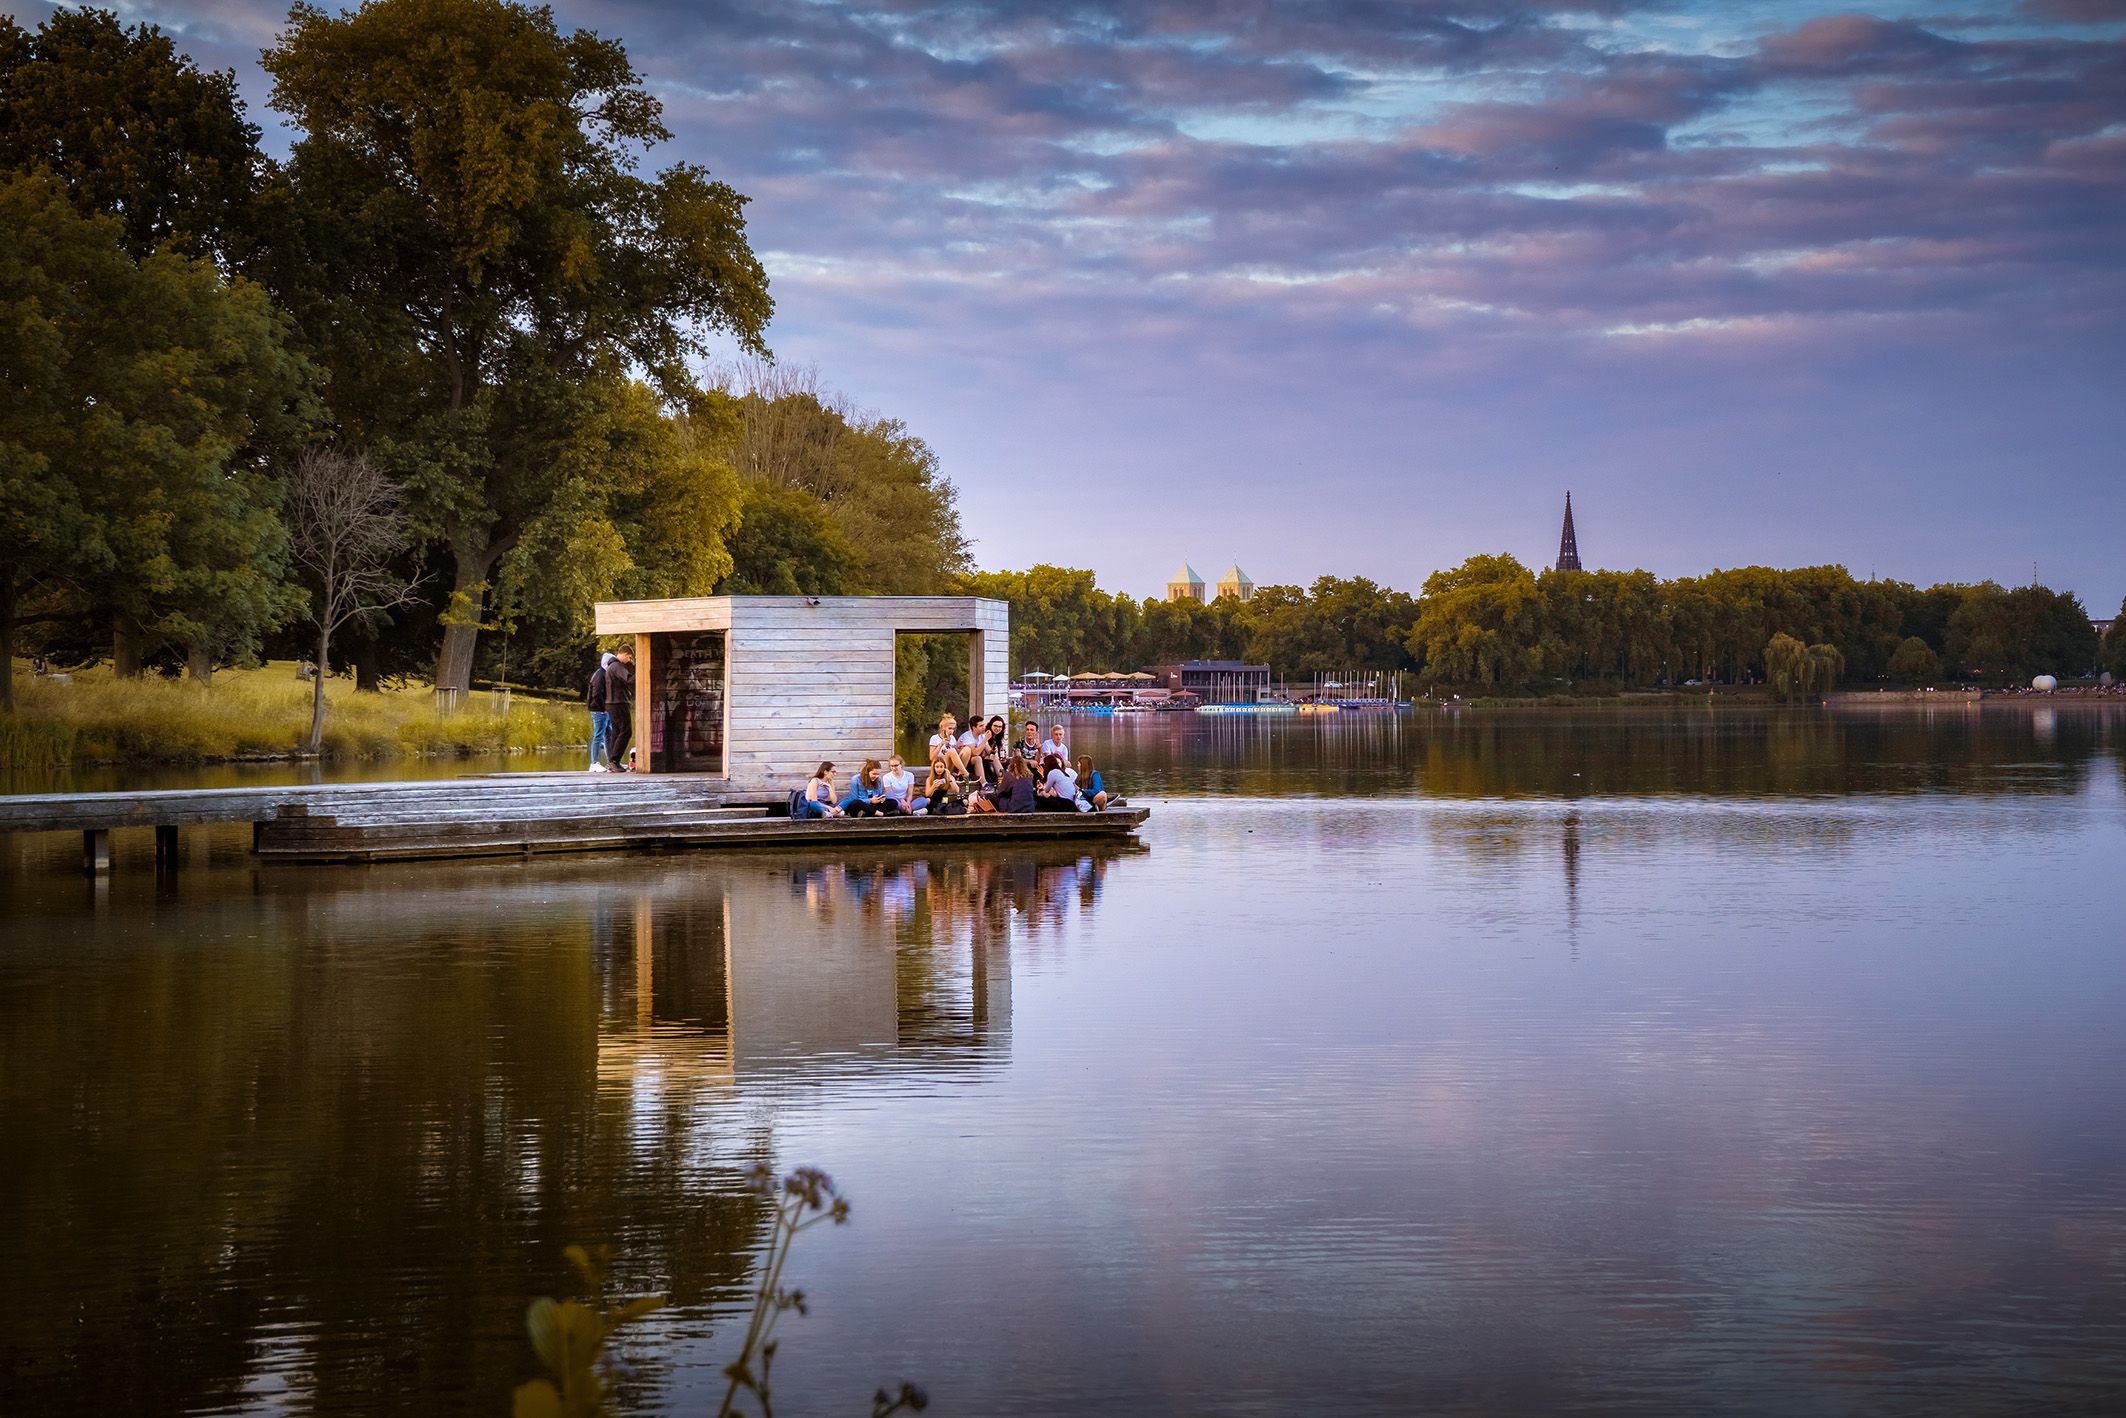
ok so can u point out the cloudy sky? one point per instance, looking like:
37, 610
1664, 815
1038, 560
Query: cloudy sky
1356, 286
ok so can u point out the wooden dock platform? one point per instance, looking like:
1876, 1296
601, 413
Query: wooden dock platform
304, 836
498, 815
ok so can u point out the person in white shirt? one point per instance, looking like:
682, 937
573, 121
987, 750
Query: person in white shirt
1059, 788
970, 745
945, 744
1055, 746
897, 783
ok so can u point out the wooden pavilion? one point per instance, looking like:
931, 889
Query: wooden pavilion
756, 690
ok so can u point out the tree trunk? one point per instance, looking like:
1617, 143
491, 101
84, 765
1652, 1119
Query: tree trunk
7, 638
199, 664
317, 692
461, 618
125, 649
367, 680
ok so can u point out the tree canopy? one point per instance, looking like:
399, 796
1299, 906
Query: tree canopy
125, 494
474, 244
132, 129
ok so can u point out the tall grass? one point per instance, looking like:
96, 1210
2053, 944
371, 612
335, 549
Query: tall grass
262, 713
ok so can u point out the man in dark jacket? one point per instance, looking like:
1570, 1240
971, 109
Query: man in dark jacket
594, 697
619, 708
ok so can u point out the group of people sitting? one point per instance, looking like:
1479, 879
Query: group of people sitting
977, 770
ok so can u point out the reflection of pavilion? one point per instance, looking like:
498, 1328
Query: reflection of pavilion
761, 962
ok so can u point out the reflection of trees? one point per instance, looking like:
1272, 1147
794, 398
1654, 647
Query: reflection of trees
1476, 753
330, 1131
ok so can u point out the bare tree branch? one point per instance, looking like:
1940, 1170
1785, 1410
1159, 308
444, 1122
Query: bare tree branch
346, 522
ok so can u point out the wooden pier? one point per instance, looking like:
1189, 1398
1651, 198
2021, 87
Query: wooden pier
504, 815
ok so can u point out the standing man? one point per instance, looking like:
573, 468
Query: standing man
594, 697
619, 708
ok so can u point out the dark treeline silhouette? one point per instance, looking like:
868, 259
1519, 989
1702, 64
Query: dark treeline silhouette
1493, 623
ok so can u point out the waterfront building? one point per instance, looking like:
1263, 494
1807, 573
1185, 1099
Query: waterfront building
1217, 681
1568, 544
1235, 583
757, 690
1184, 585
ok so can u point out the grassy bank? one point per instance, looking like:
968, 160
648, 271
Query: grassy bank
262, 713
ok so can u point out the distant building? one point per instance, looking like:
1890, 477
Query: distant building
1217, 681
1184, 585
1235, 583
1568, 544
2103, 627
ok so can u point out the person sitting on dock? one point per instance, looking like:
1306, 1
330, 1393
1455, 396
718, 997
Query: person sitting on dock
1059, 788
944, 793
897, 785
817, 800
945, 743
1090, 787
864, 798
1016, 792
996, 746
1055, 747
1030, 748
970, 745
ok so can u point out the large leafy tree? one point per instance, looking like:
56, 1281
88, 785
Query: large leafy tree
1482, 622
135, 388
877, 482
133, 129
1341, 624
643, 508
474, 240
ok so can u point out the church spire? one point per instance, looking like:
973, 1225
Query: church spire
1568, 545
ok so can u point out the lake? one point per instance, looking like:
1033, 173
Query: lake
1598, 1062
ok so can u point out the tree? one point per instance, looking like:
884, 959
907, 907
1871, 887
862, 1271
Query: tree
1340, 624
473, 241
1914, 663
787, 545
136, 389
134, 130
1482, 622
878, 482
1797, 670
1788, 666
347, 524
2114, 646
642, 507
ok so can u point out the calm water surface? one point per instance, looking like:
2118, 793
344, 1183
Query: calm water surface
1659, 1064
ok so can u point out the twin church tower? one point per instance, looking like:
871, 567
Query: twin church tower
1186, 585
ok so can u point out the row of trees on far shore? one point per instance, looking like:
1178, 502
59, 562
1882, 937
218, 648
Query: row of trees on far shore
1492, 623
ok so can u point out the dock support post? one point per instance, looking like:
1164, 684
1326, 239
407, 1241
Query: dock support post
96, 851
166, 847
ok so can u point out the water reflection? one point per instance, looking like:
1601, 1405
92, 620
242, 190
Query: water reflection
1478, 753
322, 1150
1759, 1075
